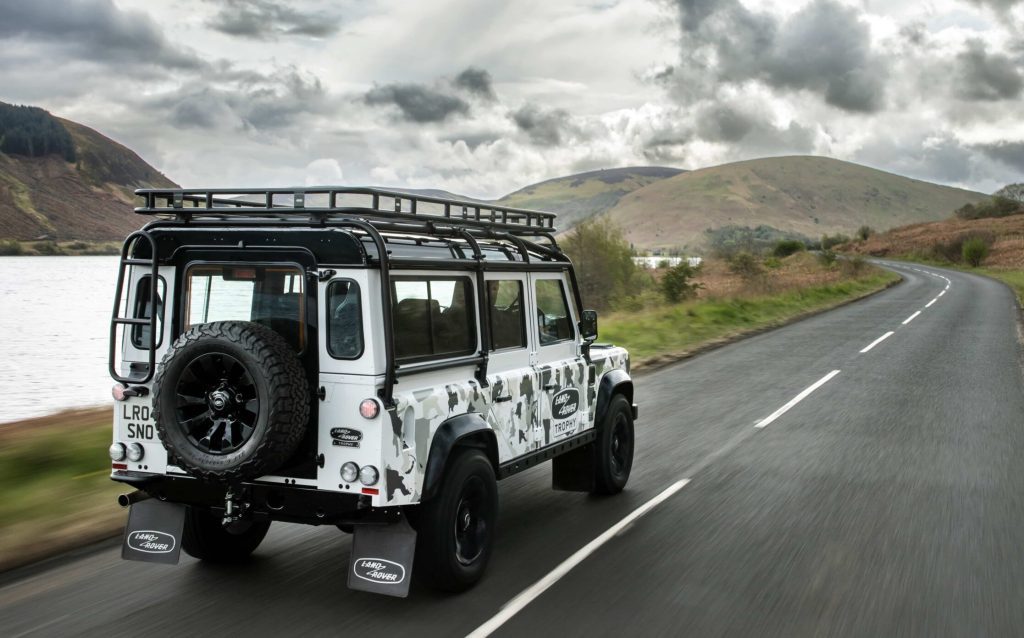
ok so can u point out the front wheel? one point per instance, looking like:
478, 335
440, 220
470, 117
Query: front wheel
455, 529
208, 540
614, 448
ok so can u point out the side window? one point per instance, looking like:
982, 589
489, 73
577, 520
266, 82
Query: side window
140, 334
505, 299
554, 322
344, 320
433, 317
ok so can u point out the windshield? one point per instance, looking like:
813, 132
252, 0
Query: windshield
268, 295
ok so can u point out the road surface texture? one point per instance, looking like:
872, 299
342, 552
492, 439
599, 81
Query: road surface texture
887, 500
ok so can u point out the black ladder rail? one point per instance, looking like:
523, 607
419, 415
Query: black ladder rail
117, 320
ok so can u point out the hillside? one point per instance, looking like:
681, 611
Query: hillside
89, 198
811, 196
943, 241
578, 197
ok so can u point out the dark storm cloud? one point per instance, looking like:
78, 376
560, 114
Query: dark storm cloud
1009, 153
476, 81
823, 47
266, 19
723, 124
276, 101
417, 102
95, 30
985, 76
544, 127
998, 5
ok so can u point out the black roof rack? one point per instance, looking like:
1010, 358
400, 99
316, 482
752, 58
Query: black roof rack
321, 203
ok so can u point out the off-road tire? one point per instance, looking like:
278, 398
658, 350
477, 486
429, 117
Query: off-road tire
437, 558
206, 538
614, 460
282, 390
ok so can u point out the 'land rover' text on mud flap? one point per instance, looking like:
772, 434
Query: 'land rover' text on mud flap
382, 558
154, 532
359, 358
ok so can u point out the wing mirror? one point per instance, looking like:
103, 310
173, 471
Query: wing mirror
588, 325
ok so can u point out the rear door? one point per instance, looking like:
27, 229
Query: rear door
560, 366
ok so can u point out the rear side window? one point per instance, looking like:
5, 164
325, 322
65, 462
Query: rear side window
270, 295
344, 320
433, 317
505, 298
140, 334
553, 319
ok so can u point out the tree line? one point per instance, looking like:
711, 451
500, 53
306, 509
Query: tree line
31, 131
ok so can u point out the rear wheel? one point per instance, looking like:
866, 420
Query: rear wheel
614, 448
206, 538
455, 529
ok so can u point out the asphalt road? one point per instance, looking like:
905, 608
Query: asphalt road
888, 501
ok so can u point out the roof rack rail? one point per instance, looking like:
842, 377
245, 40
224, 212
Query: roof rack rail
320, 203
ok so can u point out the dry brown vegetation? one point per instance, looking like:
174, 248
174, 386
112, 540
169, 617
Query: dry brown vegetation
927, 240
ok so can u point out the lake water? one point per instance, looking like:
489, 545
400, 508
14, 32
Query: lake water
54, 328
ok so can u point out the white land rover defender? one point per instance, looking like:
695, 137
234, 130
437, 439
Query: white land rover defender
356, 357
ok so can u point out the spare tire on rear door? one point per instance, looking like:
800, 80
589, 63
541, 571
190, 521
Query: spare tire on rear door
231, 401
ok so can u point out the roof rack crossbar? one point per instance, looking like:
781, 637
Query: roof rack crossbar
277, 202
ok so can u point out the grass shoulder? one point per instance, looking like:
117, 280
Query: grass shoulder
729, 308
55, 487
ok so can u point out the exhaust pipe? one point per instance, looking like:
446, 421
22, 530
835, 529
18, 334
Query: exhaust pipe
126, 500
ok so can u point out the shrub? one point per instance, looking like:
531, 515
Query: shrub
975, 251
827, 257
787, 247
828, 241
676, 285
995, 207
745, 265
864, 232
11, 247
854, 266
604, 264
47, 248
953, 250
78, 245
663, 264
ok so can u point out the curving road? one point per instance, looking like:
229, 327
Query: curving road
833, 489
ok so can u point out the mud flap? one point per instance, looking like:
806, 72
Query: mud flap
153, 533
382, 557
574, 471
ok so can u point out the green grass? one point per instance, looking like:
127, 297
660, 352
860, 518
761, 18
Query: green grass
678, 328
1013, 278
55, 487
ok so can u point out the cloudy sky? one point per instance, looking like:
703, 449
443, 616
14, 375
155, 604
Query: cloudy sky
484, 96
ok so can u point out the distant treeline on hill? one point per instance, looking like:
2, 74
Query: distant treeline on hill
28, 130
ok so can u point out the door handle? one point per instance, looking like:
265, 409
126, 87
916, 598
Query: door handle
550, 386
503, 399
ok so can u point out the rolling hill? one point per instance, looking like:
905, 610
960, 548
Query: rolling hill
87, 198
810, 196
578, 197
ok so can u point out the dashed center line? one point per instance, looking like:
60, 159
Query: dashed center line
797, 399
942, 293
877, 341
911, 318
929, 304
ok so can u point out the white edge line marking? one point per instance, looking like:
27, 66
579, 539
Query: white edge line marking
929, 304
528, 595
797, 399
911, 318
878, 341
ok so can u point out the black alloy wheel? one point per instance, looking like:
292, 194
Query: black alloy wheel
471, 528
613, 450
455, 528
218, 403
